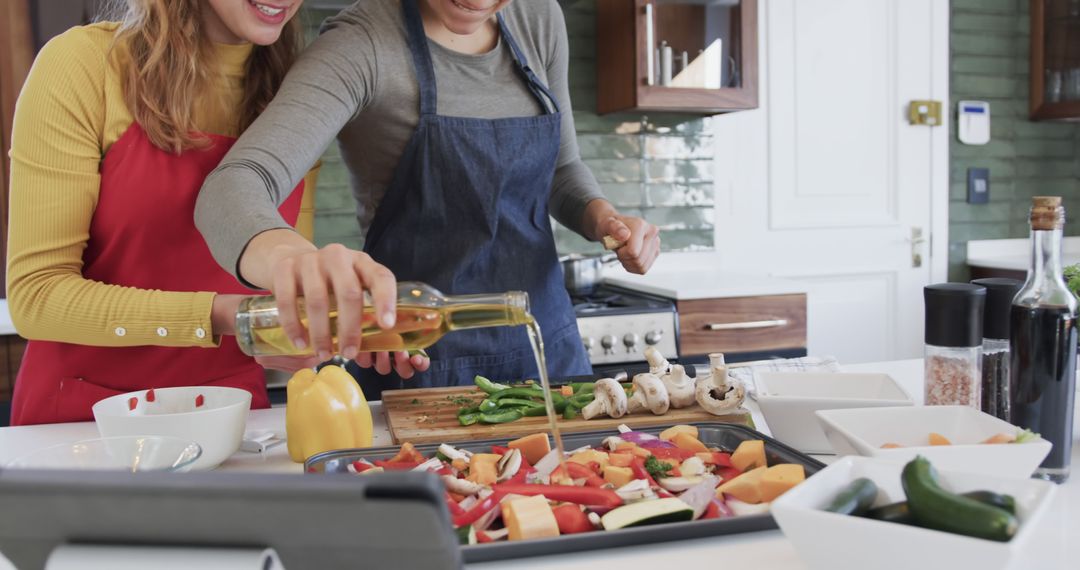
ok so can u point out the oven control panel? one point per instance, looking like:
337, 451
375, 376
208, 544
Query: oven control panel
615, 339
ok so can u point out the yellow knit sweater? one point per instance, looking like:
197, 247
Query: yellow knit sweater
71, 110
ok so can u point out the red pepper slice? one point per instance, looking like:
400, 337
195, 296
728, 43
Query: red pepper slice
712, 511
150, 396
482, 537
720, 459
199, 401
132, 402
455, 509
479, 509
571, 519
499, 450
396, 465
361, 466
579, 471
591, 496
728, 473
637, 466
671, 453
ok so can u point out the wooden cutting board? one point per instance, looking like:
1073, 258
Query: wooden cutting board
429, 415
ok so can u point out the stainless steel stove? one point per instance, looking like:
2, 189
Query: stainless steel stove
617, 324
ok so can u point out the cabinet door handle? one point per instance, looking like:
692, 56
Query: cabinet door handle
650, 43
747, 325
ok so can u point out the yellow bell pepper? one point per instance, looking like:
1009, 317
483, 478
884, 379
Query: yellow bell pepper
326, 411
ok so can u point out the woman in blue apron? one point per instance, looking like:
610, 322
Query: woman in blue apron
466, 210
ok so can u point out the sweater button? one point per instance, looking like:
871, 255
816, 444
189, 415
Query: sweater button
162, 332
200, 332
120, 331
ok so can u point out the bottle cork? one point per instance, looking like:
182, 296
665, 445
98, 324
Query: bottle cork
1047, 213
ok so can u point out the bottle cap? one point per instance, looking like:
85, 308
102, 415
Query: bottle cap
1000, 292
954, 314
1047, 213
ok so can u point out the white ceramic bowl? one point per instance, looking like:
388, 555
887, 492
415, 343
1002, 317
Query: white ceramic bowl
829, 541
788, 401
864, 431
217, 425
124, 453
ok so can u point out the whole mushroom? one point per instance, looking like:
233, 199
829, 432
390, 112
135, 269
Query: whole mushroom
713, 392
680, 387
608, 398
649, 394
658, 365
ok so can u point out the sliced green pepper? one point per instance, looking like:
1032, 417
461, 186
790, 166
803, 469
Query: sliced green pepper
570, 412
523, 393
468, 410
508, 402
418, 352
488, 386
489, 406
500, 417
582, 400
468, 419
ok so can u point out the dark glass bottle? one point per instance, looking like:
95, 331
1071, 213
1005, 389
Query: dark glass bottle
1043, 343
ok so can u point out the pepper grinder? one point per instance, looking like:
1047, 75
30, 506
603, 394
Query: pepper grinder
995, 348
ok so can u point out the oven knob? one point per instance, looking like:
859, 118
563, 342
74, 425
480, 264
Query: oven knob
630, 340
653, 337
608, 342
589, 343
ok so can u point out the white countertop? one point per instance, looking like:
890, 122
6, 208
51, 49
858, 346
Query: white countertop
1015, 254
1056, 548
701, 283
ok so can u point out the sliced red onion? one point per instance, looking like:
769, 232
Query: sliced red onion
639, 437
700, 495
498, 534
623, 428
657, 444
487, 518
433, 464
547, 463
468, 502
723, 508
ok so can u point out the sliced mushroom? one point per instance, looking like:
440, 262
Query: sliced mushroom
609, 398
452, 453
658, 365
636, 490
612, 442
461, 486
649, 394
509, 465
713, 392
680, 387
692, 466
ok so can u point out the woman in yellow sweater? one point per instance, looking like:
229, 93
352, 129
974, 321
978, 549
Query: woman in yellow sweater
115, 129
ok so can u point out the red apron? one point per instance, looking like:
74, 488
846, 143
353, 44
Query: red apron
142, 235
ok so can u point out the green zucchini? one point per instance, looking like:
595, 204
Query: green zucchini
900, 513
855, 499
466, 535
647, 512
936, 508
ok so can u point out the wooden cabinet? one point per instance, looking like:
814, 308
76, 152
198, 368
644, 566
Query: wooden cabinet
1055, 60
11, 353
742, 324
683, 56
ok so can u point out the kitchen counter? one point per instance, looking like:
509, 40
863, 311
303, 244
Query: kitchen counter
1055, 546
1015, 254
701, 283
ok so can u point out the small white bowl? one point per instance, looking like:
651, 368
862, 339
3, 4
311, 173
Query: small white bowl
830, 541
124, 453
788, 401
217, 425
864, 431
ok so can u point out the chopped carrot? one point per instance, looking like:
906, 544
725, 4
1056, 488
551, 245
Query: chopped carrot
891, 445
1001, 438
566, 391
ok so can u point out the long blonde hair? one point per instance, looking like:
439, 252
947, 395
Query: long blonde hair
164, 51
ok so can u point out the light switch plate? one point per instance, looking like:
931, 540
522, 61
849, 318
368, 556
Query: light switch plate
978, 185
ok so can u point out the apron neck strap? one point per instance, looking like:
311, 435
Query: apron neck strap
425, 70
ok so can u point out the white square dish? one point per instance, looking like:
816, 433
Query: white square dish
864, 431
831, 541
788, 401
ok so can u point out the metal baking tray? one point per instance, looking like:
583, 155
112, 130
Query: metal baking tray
722, 435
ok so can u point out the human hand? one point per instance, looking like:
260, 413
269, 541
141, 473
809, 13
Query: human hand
405, 366
640, 239
316, 274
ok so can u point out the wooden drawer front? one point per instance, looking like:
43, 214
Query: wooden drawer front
742, 324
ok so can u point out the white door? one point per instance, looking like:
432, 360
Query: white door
827, 183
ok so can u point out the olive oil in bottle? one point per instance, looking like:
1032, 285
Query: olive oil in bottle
424, 315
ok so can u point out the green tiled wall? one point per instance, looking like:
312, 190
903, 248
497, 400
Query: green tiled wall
659, 167
990, 51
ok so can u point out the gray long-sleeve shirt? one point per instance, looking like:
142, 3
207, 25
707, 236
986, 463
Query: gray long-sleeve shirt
356, 82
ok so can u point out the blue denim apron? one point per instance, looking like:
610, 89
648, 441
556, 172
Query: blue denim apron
467, 212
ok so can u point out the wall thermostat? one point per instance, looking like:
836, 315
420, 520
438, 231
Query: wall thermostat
973, 122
